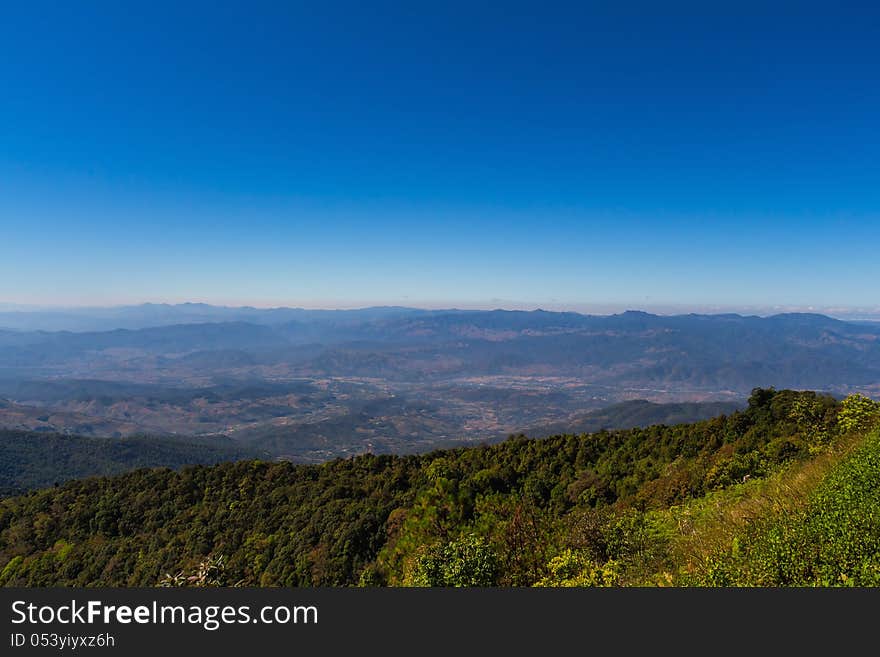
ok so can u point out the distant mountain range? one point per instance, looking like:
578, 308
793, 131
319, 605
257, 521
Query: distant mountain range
313, 384
151, 315
716, 352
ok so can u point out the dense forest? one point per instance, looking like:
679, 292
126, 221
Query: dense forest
35, 460
784, 492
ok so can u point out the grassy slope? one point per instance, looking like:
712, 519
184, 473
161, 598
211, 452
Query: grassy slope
815, 525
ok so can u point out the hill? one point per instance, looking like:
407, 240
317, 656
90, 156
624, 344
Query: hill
637, 413
34, 460
41, 419
591, 509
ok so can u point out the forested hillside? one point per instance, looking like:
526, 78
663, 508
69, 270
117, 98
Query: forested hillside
31, 460
723, 501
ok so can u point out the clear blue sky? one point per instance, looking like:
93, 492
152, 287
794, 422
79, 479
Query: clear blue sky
462, 153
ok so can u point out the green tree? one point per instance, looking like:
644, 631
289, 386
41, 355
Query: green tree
858, 413
466, 561
808, 410
576, 568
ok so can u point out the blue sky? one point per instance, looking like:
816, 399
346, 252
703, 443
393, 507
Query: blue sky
450, 154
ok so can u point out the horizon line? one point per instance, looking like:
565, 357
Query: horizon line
582, 308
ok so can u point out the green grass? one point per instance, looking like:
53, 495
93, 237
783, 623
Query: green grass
813, 525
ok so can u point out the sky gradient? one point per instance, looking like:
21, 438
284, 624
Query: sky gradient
460, 154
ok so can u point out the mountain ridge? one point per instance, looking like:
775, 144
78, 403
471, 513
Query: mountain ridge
408, 380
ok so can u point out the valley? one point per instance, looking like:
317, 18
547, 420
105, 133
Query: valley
308, 386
